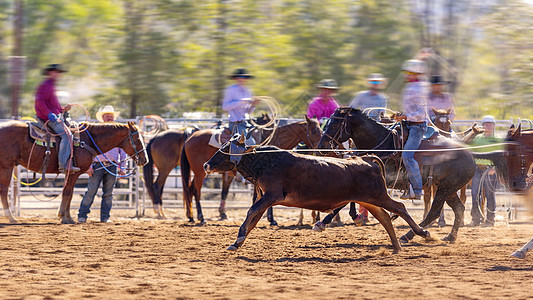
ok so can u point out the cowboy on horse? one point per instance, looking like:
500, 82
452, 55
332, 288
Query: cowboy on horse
50, 111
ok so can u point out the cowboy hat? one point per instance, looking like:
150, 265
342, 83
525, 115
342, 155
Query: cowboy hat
108, 109
241, 73
437, 79
54, 67
329, 84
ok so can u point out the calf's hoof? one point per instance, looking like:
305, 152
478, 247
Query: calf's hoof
441, 223
449, 238
232, 248
396, 251
319, 227
519, 254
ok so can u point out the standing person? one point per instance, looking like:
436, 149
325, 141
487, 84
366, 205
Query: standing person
324, 105
485, 178
114, 161
48, 109
372, 97
414, 97
438, 99
239, 103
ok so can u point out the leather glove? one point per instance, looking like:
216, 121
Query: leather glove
52, 117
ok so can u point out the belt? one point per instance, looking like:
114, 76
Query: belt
415, 123
105, 163
483, 167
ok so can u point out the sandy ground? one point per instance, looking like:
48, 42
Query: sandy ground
172, 259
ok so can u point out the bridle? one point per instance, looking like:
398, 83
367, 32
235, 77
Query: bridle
335, 138
129, 138
523, 157
313, 146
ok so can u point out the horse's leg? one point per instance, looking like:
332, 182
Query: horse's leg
197, 188
253, 216
442, 220
384, 218
459, 210
159, 184
226, 182
321, 225
64, 207
521, 253
301, 218
428, 193
5, 179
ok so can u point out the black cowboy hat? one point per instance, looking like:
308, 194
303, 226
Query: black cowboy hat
242, 73
437, 79
54, 67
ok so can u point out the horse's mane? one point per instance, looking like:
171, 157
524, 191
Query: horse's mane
347, 110
101, 128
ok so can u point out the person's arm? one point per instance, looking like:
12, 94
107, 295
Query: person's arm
232, 101
356, 102
312, 111
42, 97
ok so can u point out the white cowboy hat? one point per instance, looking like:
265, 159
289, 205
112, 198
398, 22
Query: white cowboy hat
108, 109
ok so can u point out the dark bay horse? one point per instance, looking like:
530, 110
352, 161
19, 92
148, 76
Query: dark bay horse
97, 137
290, 179
449, 170
164, 152
197, 151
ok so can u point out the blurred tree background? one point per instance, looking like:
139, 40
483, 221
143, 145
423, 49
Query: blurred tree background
168, 57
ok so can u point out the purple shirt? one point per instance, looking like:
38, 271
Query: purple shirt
441, 101
237, 108
319, 109
116, 155
46, 100
415, 95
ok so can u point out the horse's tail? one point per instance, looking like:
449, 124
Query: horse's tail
375, 159
185, 169
148, 173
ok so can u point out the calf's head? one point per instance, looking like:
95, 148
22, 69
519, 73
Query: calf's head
228, 157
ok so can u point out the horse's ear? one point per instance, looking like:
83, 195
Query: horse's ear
307, 119
517, 132
449, 111
512, 126
243, 137
435, 111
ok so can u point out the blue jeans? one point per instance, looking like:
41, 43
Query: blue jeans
487, 187
238, 127
66, 141
416, 133
100, 175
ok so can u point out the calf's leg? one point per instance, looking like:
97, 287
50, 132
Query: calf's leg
383, 217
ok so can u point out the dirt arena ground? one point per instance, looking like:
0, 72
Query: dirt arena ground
172, 259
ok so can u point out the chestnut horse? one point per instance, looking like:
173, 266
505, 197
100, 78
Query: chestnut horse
164, 151
449, 167
197, 151
94, 137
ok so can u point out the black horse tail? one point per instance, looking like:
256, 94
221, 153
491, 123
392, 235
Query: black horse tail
188, 189
148, 173
375, 159
499, 161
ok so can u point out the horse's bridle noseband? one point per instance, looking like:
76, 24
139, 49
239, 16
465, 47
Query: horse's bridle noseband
129, 138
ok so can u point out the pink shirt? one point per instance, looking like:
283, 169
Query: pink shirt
46, 100
319, 109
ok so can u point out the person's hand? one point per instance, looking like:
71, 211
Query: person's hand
52, 117
255, 101
400, 117
90, 172
121, 172
67, 107
492, 171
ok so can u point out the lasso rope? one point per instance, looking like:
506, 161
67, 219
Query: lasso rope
275, 108
159, 125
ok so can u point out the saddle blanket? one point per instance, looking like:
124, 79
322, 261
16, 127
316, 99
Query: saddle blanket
219, 137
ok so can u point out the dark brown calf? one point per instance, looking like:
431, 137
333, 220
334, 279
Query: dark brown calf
317, 183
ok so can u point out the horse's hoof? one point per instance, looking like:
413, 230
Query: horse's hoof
396, 251
223, 216
65, 221
203, 223
273, 223
404, 240
160, 217
426, 234
191, 220
519, 254
449, 238
232, 248
13, 221
319, 227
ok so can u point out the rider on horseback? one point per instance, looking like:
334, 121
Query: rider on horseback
239, 103
48, 109
324, 105
415, 106
438, 99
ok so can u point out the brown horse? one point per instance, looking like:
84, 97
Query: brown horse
164, 152
519, 149
197, 151
442, 121
290, 179
96, 137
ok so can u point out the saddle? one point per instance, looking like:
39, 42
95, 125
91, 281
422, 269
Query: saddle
220, 137
42, 135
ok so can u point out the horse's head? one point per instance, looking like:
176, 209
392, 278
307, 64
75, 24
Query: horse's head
442, 119
336, 131
134, 146
314, 132
519, 158
228, 156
